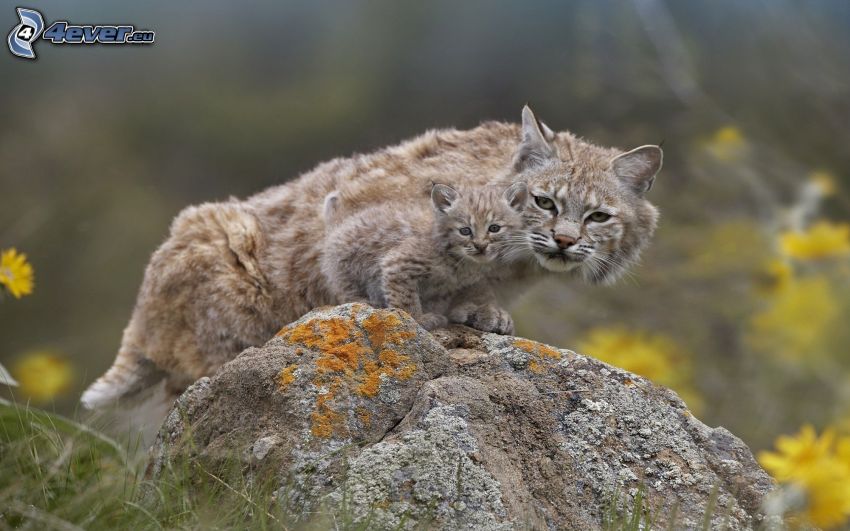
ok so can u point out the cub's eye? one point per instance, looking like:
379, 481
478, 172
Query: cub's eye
494, 228
544, 202
599, 217
466, 231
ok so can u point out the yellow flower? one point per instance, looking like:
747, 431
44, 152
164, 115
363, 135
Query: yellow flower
824, 181
652, 356
822, 240
818, 465
16, 273
43, 375
727, 144
797, 453
842, 450
828, 493
797, 319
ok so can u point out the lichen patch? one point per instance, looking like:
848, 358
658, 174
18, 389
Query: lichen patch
359, 357
383, 327
286, 376
538, 352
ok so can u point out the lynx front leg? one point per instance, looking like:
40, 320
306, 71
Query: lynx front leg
477, 307
347, 290
400, 282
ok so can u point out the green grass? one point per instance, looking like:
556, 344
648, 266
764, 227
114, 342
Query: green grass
620, 515
58, 474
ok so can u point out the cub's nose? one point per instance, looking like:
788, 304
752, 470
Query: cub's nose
480, 247
564, 241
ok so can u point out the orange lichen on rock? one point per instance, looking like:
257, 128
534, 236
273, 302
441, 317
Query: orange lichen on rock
325, 422
347, 355
337, 339
391, 358
539, 350
532, 347
371, 382
526, 345
381, 327
391, 364
548, 352
321, 333
286, 377
533, 366
405, 372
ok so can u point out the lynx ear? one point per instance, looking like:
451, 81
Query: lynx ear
535, 148
443, 196
639, 167
517, 195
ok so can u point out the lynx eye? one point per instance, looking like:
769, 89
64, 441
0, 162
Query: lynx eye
494, 228
544, 202
466, 231
599, 217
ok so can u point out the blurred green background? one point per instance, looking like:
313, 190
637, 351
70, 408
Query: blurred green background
102, 146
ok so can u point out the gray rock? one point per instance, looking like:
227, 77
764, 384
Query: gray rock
360, 408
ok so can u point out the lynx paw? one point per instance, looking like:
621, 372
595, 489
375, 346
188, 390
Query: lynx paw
432, 321
486, 318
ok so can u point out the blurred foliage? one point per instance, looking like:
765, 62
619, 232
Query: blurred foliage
102, 146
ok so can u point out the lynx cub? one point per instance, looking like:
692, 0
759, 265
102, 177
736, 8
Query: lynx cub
428, 261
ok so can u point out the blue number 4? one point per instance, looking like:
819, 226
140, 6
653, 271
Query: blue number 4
56, 32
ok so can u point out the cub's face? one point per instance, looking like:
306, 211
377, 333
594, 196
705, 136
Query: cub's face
485, 225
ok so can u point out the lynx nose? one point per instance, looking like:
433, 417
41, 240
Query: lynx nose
564, 241
480, 247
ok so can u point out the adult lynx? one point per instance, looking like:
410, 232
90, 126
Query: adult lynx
231, 274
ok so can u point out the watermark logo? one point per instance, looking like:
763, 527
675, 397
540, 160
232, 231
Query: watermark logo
22, 38
24, 34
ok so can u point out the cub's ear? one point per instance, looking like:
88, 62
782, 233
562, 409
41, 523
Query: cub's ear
331, 206
639, 167
535, 147
517, 195
443, 196
548, 134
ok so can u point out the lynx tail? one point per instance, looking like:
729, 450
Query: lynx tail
130, 374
